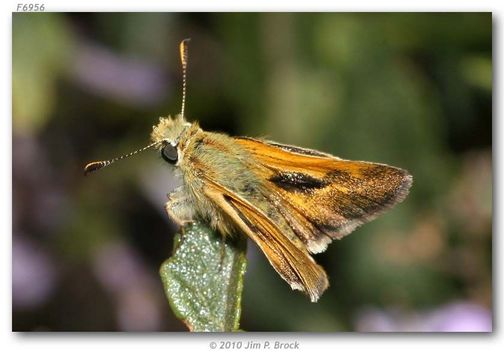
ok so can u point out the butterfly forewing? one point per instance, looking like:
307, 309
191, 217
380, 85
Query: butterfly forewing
325, 197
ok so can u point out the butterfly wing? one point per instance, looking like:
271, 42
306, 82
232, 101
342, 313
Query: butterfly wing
323, 197
289, 258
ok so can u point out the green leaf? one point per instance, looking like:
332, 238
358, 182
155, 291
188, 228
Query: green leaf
203, 280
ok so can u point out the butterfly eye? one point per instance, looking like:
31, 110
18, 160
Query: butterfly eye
169, 153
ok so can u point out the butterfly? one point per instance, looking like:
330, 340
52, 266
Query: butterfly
291, 201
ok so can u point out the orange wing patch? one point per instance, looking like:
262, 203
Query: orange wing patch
323, 197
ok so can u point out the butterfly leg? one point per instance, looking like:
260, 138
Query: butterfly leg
179, 207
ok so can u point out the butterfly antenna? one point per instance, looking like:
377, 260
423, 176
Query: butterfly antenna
97, 165
184, 57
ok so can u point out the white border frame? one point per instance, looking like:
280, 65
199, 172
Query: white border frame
173, 345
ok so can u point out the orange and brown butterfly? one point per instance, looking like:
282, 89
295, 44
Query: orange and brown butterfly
291, 201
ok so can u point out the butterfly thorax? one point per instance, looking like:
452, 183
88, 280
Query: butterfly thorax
208, 157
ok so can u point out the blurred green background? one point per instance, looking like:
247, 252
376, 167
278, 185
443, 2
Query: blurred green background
411, 90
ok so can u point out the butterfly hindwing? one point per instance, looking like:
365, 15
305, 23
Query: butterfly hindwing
290, 260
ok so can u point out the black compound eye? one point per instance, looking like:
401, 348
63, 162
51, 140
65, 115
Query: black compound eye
169, 153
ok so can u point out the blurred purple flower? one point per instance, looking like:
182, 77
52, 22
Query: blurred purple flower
459, 317
33, 275
128, 80
455, 317
123, 274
